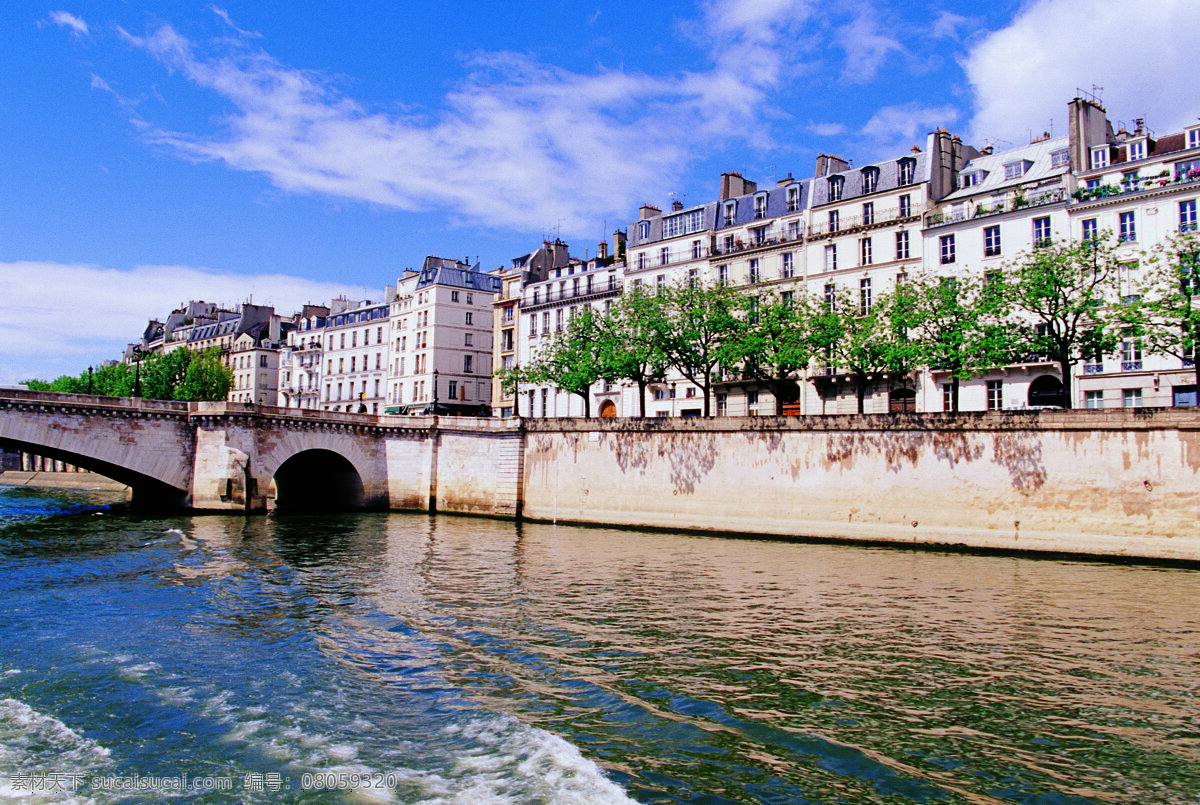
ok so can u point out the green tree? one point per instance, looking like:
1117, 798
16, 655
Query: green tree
1059, 295
163, 374
960, 325
1167, 316
573, 360
770, 342
696, 323
866, 337
629, 338
206, 377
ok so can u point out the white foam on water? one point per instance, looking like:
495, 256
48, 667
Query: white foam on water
34, 743
514, 763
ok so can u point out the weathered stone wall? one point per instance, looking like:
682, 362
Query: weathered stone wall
478, 466
1097, 482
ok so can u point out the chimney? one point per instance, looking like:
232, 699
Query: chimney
676, 205
916, 149
733, 185
602, 251
785, 180
1087, 127
648, 211
828, 163
619, 245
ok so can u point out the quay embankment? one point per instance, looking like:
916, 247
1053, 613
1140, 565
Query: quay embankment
84, 481
1111, 483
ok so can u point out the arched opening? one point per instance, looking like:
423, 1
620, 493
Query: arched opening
608, 409
902, 401
146, 492
1046, 390
317, 481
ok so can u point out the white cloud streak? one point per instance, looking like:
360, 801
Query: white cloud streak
1023, 75
65, 19
93, 312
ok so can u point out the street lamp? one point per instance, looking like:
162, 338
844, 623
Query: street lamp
89, 380
137, 371
435, 391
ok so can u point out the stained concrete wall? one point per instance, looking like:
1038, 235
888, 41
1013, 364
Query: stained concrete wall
1094, 482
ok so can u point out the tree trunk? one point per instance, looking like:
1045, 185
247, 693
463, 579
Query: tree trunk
587, 403
641, 384
861, 391
954, 386
1064, 366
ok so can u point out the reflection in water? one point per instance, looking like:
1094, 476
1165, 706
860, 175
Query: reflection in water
478, 659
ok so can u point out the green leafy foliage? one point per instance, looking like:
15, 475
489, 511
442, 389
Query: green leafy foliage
1167, 314
771, 342
177, 375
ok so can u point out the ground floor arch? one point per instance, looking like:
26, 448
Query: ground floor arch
316, 480
1046, 390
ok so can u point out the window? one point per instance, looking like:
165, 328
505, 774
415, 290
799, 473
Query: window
793, 230
1015, 170
354, 339
788, 270
1060, 159
693, 280
870, 178
758, 235
830, 296
754, 277
643, 230
470, 298
664, 256
558, 320
902, 245
793, 199
868, 213
835, 188
1090, 231
946, 243
1187, 216
1093, 399
545, 322
467, 363
1193, 138
1131, 355
660, 284
453, 389
683, 224
991, 241
969, 179
831, 257
454, 296
907, 173
1129, 181
905, 206
995, 395
696, 251
536, 293
262, 360
1137, 150
752, 403
1131, 398
864, 247
723, 275
864, 297
470, 317
533, 326
949, 397
730, 211
1041, 232
641, 260
833, 221
760, 206
1128, 230
1100, 157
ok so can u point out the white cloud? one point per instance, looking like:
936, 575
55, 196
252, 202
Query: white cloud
1023, 75
866, 47
896, 128
67, 20
828, 129
92, 312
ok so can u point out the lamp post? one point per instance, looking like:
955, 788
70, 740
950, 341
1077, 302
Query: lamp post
137, 372
435, 391
89, 380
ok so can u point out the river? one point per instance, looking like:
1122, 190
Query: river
411, 658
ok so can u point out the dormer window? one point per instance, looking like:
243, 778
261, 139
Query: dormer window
793, 198
643, 230
835, 188
971, 179
1100, 157
1193, 138
870, 180
730, 211
907, 171
1015, 170
1060, 159
1136, 150
760, 206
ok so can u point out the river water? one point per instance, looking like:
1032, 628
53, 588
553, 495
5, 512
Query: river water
408, 658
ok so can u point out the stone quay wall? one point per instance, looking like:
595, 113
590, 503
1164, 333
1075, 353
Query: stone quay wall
1102, 482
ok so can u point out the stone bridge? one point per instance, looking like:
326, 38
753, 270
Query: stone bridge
240, 457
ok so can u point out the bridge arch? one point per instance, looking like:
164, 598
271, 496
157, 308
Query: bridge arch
317, 479
148, 492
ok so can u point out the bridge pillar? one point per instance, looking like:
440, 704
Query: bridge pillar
223, 475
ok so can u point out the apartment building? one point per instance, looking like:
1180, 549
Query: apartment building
355, 355
440, 324
300, 359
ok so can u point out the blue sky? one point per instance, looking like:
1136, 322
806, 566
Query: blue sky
156, 152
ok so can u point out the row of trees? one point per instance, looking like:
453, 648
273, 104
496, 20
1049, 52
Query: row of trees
177, 375
1063, 302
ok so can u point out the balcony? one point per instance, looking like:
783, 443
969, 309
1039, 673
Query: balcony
852, 223
767, 242
949, 215
1131, 186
